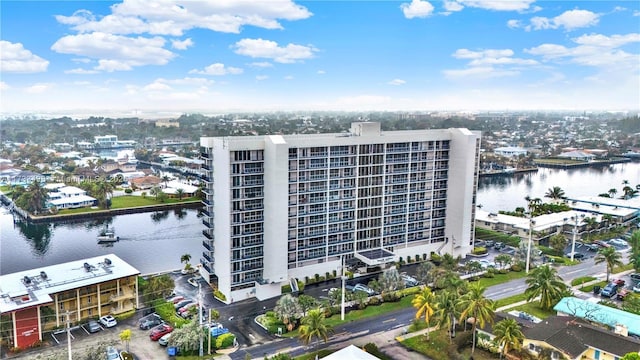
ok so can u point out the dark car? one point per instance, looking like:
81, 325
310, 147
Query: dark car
150, 322
609, 291
160, 331
93, 326
498, 245
592, 247
488, 243
182, 303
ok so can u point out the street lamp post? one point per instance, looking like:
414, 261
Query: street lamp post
575, 234
343, 290
531, 222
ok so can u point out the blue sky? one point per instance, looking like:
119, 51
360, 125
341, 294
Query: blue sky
148, 56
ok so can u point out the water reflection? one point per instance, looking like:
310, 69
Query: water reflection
158, 216
38, 236
180, 213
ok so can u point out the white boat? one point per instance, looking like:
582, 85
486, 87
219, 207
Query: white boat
107, 235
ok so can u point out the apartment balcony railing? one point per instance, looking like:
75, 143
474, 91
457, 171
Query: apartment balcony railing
207, 224
128, 306
208, 244
122, 295
207, 234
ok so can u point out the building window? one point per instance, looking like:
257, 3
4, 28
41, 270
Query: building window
61, 306
89, 312
89, 299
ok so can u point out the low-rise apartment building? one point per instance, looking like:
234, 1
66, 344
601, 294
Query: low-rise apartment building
41, 299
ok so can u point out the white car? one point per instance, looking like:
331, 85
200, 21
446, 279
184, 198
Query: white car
486, 263
164, 340
108, 321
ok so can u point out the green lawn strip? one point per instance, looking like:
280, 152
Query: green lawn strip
436, 348
125, 202
581, 280
311, 356
510, 300
501, 278
589, 288
618, 269
534, 309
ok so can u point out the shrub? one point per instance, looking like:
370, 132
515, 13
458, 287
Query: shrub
390, 297
168, 313
335, 273
125, 315
306, 280
286, 289
128, 191
409, 259
424, 256
488, 274
225, 340
217, 293
435, 258
374, 301
300, 286
516, 268
410, 291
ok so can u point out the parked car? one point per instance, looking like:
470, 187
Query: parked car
164, 340
112, 353
108, 321
489, 243
363, 288
498, 245
609, 291
160, 331
636, 288
592, 247
150, 322
486, 263
176, 299
93, 326
622, 294
576, 255
601, 244
185, 309
409, 281
635, 277
619, 282
182, 303
618, 243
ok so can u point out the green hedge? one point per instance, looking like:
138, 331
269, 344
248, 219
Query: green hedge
479, 250
225, 340
167, 312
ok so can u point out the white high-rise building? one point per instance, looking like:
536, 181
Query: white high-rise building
279, 207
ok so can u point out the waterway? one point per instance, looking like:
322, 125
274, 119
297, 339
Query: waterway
154, 242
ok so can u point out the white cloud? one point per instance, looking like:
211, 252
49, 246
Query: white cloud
217, 69
452, 6
499, 5
416, 9
514, 24
636, 13
38, 88
263, 64
321, 72
4, 86
592, 50
15, 58
488, 63
289, 77
569, 20
396, 82
182, 45
259, 48
173, 17
81, 60
262, 77
157, 86
80, 71
479, 72
115, 52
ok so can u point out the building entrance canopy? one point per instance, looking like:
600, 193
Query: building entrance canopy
375, 257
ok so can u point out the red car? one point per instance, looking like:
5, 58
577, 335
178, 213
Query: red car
601, 244
619, 282
159, 331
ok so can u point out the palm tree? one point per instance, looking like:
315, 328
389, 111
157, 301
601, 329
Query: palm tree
508, 335
102, 190
313, 325
179, 193
448, 262
38, 197
609, 256
185, 259
424, 301
165, 179
612, 192
474, 304
288, 310
447, 311
544, 281
155, 191
555, 193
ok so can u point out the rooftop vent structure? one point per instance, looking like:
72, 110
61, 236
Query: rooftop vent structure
107, 261
87, 267
43, 275
27, 280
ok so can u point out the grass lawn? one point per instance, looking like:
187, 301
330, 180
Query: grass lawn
510, 300
618, 269
123, 202
589, 288
534, 309
581, 280
479, 354
436, 348
311, 356
501, 278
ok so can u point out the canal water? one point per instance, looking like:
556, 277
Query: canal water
154, 242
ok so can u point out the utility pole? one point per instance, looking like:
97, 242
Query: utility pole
209, 331
343, 277
200, 317
531, 222
575, 234
69, 334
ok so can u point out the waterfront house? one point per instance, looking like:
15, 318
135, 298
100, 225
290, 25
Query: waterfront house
45, 298
602, 315
510, 151
577, 155
69, 197
146, 182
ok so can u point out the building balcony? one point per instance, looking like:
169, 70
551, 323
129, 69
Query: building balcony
207, 257
208, 244
206, 167
124, 294
127, 306
206, 155
206, 213
207, 224
207, 265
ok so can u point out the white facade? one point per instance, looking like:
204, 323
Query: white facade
280, 207
510, 151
